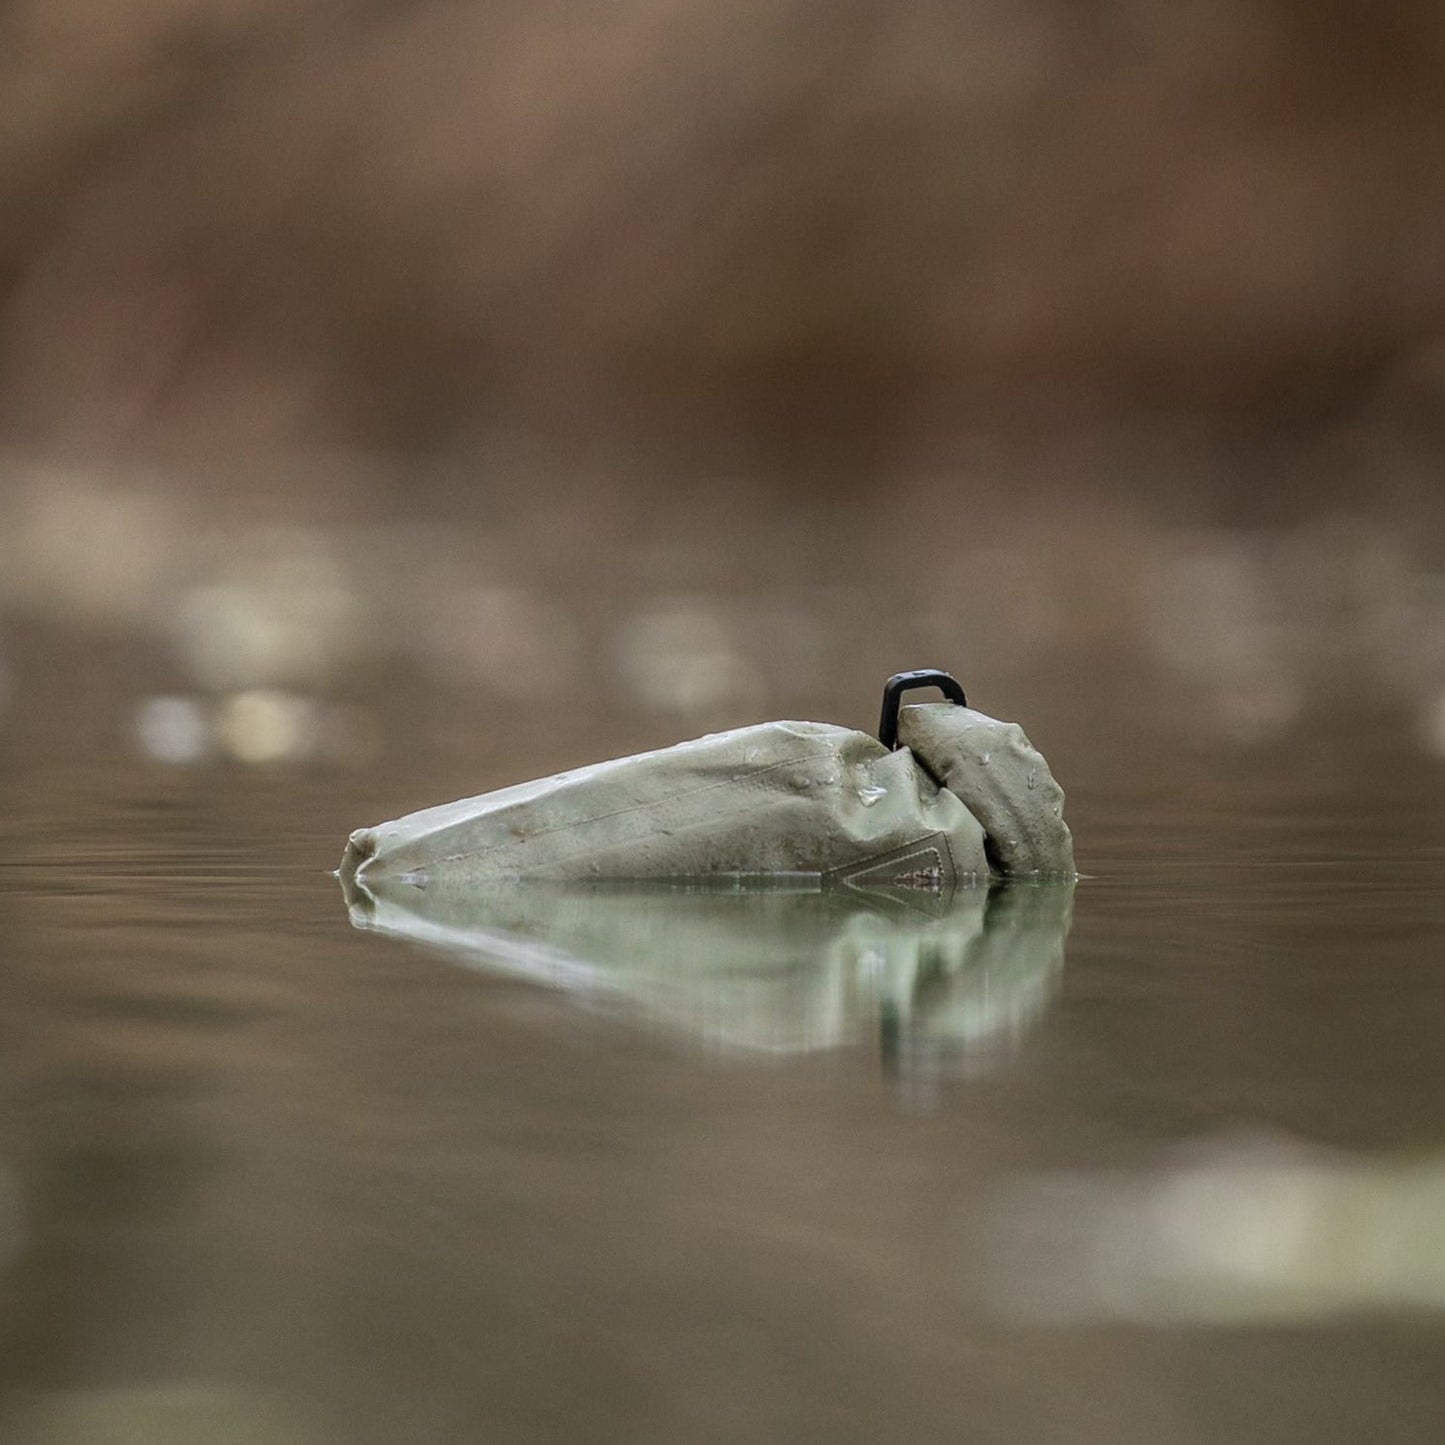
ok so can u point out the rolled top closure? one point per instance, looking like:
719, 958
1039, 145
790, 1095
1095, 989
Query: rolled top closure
1002, 779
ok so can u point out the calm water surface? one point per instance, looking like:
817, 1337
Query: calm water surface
1174, 1171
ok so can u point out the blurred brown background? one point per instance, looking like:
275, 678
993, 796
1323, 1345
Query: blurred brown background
715, 361
780, 232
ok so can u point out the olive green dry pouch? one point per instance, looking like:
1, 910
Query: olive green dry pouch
947, 796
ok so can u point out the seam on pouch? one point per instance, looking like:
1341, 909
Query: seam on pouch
939, 783
747, 778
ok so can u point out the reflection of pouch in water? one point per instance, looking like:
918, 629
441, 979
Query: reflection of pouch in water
781, 970
944, 796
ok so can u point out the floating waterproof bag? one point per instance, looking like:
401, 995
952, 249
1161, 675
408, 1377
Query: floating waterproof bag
942, 795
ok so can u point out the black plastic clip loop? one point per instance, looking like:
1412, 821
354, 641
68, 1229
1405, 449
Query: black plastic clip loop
902, 682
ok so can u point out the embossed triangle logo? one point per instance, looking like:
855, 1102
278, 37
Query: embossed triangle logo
926, 866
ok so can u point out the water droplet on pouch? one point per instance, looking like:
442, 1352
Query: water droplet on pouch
871, 794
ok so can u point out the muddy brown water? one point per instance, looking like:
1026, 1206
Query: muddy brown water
264, 1175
